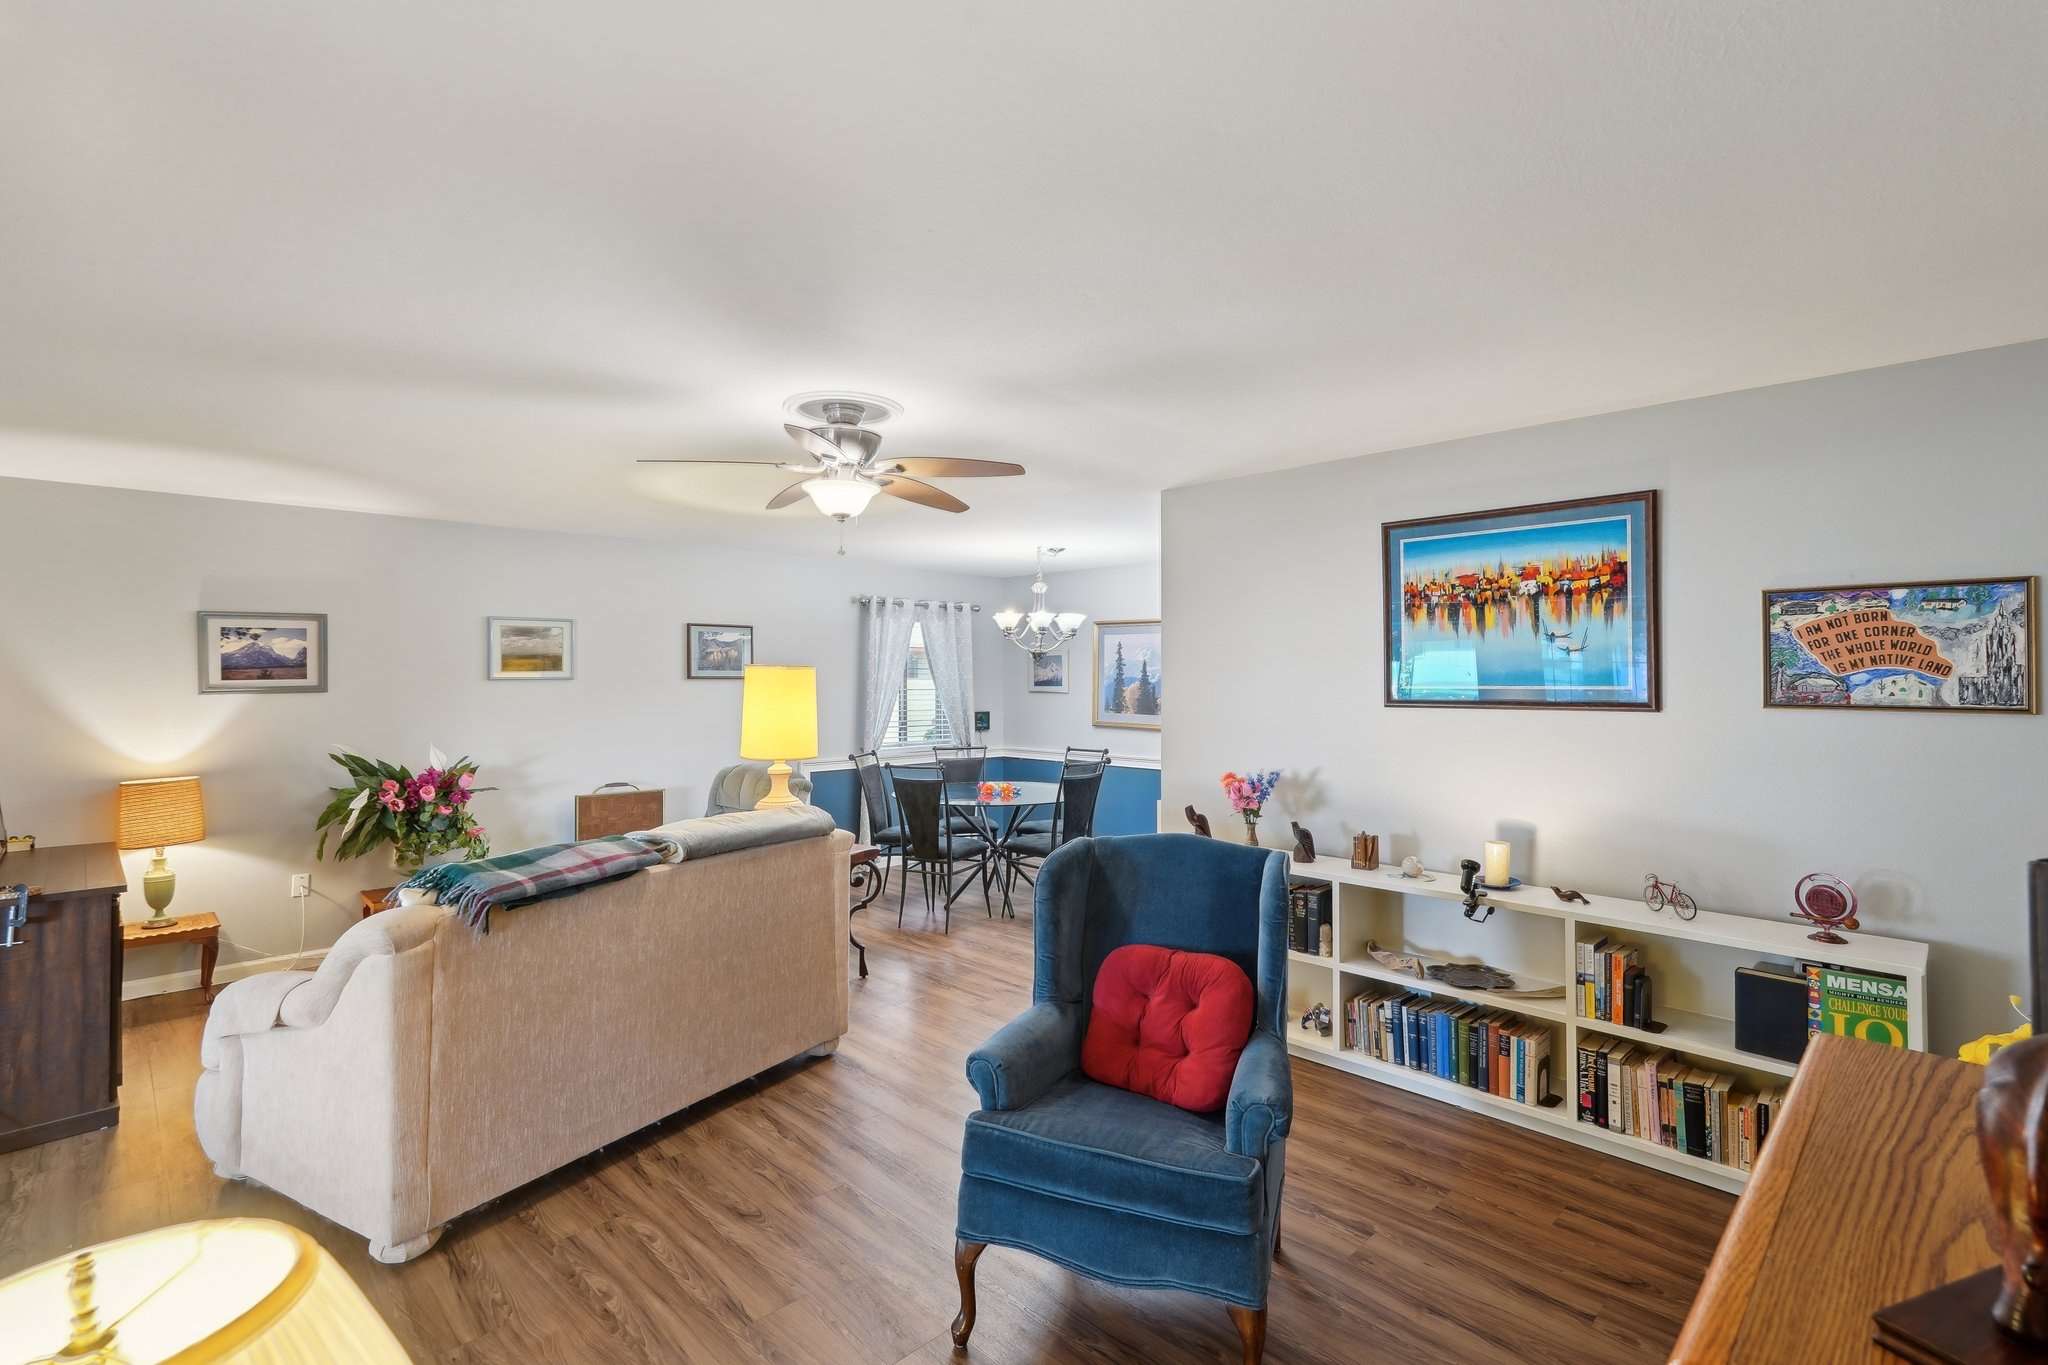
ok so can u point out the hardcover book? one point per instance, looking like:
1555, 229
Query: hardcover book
1856, 1004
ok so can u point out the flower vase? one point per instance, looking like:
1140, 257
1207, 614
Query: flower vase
1251, 829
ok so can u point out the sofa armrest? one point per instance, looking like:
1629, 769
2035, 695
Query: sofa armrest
1261, 1105
381, 935
250, 1005
1026, 1056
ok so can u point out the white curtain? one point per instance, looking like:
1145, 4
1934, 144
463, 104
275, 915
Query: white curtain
949, 649
885, 652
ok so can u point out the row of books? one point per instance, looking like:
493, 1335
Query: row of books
1648, 1093
1309, 925
1489, 1050
1612, 984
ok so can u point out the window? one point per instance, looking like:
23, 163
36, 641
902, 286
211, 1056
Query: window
918, 718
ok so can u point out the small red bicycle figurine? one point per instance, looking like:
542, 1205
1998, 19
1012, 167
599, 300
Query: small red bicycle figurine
1658, 894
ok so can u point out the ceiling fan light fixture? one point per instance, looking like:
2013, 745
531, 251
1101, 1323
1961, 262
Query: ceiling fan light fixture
841, 498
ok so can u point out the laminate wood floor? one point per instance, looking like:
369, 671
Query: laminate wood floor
806, 1217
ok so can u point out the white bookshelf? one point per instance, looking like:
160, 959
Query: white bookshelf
1534, 935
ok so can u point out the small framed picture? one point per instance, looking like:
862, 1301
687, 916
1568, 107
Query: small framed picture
1049, 671
262, 651
530, 648
717, 651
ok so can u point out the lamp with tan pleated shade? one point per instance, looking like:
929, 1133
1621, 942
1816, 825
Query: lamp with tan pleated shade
156, 812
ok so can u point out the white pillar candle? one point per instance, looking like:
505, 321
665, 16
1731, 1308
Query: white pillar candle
1497, 863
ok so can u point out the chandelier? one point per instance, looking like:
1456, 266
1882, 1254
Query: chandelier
1039, 630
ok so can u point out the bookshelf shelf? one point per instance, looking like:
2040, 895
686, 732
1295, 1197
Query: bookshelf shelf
1553, 1010
1697, 1035
1534, 935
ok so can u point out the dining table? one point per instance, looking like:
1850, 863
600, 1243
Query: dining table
997, 817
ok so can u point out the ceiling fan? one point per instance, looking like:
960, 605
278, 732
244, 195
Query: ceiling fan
843, 473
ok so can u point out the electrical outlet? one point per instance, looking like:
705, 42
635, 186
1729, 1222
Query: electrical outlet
302, 885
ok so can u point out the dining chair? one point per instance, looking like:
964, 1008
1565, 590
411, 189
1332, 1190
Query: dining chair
885, 828
1073, 817
962, 764
1075, 757
931, 846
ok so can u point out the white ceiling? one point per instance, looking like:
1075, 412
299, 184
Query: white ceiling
470, 259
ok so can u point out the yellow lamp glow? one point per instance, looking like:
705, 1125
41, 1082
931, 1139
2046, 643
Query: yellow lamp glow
153, 812
242, 1289
1497, 872
778, 722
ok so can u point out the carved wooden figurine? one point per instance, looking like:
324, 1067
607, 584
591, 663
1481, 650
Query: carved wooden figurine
2012, 1139
1304, 843
1365, 851
1200, 822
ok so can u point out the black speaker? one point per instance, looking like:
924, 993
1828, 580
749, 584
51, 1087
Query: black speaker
1770, 1011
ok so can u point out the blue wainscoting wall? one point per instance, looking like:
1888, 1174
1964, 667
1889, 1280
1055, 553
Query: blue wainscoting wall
1127, 805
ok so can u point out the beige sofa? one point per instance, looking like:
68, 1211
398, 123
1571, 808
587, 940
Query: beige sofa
423, 1070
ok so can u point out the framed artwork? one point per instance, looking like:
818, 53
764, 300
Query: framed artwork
1548, 605
1049, 671
1128, 676
530, 648
262, 651
717, 651
1964, 644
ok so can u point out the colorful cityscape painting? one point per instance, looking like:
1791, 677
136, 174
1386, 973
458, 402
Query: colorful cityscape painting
1549, 605
1966, 645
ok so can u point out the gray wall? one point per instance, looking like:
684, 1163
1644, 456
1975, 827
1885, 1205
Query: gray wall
1919, 471
98, 679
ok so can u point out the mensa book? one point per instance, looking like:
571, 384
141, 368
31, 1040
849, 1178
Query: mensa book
1856, 1004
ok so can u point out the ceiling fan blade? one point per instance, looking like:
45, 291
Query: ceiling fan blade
923, 494
793, 493
822, 447
931, 467
758, 464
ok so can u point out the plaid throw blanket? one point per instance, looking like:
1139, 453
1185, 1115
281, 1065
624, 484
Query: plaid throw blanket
471, 890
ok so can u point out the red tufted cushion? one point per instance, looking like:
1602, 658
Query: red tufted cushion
1168, 1024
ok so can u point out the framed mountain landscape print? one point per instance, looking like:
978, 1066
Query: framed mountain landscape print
1550, 605
1960, 645
1128, 681
257, 651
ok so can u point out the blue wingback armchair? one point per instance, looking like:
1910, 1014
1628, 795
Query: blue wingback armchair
1113, 1184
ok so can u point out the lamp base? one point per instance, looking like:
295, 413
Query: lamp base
159, 884
779, 793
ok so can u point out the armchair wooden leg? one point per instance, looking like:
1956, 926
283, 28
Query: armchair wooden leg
965, 1254
1251, 1329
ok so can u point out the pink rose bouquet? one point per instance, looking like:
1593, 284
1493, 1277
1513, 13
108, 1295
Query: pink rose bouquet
420, 815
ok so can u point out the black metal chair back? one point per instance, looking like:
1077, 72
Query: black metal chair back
961, 763
1081, 758
874, 790
921, 799
1074, 818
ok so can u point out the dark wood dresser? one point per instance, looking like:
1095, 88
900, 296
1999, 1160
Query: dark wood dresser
60, 996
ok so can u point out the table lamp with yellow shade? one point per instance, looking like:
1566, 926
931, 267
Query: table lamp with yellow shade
245, 1290
779, 722
156, 812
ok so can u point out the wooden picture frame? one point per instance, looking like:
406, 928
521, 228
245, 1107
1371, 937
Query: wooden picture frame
704, 655
263, 651
1147, 689
529, 648
1518, 637
1975, 634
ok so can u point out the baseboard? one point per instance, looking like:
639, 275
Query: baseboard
142, 987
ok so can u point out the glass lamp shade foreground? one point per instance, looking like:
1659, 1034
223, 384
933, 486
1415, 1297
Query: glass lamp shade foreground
241, 1289
840, 497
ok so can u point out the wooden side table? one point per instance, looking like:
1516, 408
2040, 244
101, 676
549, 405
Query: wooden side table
1868, 1192
373, 899
203, 930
